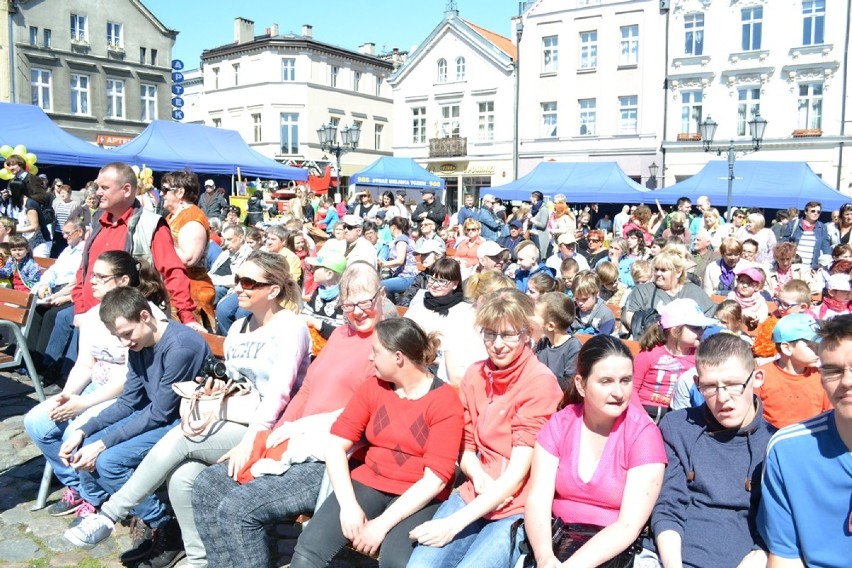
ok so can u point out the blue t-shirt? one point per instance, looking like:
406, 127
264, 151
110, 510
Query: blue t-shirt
806, 508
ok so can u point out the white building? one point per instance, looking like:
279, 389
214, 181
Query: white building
453, 107
591, 83
729, 60
278, 89
194, 103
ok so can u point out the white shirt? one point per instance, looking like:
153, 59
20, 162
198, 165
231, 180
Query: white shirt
64, 270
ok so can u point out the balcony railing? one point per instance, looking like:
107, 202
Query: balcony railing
447, 147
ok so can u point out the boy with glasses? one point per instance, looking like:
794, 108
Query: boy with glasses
707, 507
805, 517
794, 298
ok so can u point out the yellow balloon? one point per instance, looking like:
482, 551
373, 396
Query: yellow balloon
33, 170
6, 151
31, 158
146, 172
5, 174
20, 150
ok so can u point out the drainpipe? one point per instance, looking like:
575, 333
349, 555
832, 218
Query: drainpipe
666, 103
843, 95
13, 9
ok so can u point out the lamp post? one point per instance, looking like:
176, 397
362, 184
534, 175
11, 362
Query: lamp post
519, 31
652, 178
349, 137
707, 129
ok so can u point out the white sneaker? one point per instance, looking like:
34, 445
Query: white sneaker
92, 529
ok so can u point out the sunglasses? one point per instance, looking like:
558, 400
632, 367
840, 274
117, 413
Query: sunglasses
247, 283
350, 227
166, 188
594, 240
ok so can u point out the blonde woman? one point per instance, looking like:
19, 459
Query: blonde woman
765, 238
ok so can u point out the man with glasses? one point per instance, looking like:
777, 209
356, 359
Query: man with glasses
357, 247
515, 236
810, 235
488, 218
708, 504
805, 515
58, 280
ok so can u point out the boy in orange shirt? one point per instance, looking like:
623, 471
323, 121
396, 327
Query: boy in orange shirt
791, 390
794, 298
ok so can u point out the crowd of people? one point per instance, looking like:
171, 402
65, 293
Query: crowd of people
444, 390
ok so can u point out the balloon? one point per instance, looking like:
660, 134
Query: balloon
20, 150
31, 158
33, 170
6, 174
146, 173
6, 151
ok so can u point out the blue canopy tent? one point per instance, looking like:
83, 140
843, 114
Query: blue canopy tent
582, 182
30, 126
167, 146
403, 173
770, 185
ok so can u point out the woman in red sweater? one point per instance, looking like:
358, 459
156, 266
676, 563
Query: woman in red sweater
413, 424
507, 399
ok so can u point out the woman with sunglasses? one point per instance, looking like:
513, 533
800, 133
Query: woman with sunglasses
507, 399
441, 308
466, 249
283, 478
269, 348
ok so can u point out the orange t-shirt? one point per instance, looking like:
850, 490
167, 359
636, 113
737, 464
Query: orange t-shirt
788, 399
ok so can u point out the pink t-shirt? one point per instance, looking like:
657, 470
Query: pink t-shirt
655, 374
634, 441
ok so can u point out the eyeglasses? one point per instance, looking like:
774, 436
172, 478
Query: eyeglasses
438, 282
831, 374
814, 210
593, 240
363, 305
732, 390
67, 234
247, 283
509, 338
101, 278
351, 227
166, 188
784, 306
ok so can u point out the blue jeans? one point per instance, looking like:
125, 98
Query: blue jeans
228, 311
221, 292
116, 464
49, 435
481, 543
231, 518
397, 284
62, 345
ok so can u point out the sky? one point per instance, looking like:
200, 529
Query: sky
204, 24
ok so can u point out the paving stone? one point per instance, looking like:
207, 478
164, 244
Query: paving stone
19, 550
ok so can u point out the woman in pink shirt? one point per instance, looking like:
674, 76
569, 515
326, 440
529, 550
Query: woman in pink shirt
598, 461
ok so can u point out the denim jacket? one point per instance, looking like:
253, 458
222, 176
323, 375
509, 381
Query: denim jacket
794, 231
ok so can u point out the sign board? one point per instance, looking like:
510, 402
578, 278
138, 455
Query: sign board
177, 90
177, 64
177, 114
111, 139
177, 76
177, 102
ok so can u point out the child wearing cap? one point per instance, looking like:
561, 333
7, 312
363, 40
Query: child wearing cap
791, 390
794, 297
322, 313
668, 349
746, 293
837, 300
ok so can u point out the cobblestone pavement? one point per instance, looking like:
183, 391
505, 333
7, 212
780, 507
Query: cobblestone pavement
33, 539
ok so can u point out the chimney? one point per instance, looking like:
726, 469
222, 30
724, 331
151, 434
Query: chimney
367, 49
273, 30
243, 30
308, 31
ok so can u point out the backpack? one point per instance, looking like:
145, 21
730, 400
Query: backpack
49, 215
643, 319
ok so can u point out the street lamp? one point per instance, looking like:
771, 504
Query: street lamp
707, 129
652, 179
349, 138
519, 32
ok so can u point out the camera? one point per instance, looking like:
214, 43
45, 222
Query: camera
214, 369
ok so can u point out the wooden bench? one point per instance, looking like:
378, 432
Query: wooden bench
44, 263
216, 344
632, 345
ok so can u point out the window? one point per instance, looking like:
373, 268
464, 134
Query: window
48, 38
378, 136
148, 94
115, 35
153, 56
690, 111
588, 50
749, 105
356, 81
460, 68
142, 53
40, 81
115, 98
418, 125
810, 105
550, 54
289, 133
628, 111
217, 123
548, 120
288, 69
588, 117
450, 124
335, 71
378, 86
215, 77
79, 94
813, 22
693, 27
256, 125
236, 67
629, 45
486, 121
442, 70
33, 35
752, 19
79, 31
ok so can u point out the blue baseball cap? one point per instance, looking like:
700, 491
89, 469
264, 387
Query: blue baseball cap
795, 327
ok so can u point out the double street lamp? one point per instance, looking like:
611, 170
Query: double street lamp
349, 137
707, 129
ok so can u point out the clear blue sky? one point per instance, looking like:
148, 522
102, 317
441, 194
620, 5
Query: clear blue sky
204, 24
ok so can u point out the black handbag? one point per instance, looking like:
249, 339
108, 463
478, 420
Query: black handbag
569, 538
